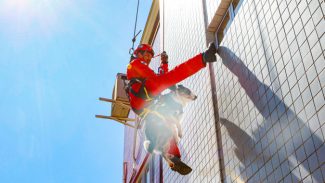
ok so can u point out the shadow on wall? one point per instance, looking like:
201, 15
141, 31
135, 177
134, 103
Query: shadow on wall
246, 152
286, 140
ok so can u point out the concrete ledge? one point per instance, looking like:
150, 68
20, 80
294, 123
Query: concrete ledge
150, 29
218, 16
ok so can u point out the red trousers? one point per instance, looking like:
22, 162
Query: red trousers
173, 148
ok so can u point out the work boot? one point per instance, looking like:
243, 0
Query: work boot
210, 54
180, 166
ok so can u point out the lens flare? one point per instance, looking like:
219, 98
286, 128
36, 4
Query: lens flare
25, 18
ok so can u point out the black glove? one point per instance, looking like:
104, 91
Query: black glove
210, 54
164, 57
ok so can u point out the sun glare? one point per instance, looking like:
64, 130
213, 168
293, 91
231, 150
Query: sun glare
31, 16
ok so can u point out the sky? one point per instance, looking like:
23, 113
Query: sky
56, 58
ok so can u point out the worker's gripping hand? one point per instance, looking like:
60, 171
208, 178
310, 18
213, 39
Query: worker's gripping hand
164, 57
210, 54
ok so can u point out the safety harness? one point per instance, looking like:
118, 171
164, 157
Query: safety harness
142, 93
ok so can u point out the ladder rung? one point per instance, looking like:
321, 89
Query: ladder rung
124, 122
113, 101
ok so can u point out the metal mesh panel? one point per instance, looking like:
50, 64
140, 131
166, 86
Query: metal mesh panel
270, 87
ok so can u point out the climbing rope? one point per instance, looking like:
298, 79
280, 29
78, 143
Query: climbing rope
134, 32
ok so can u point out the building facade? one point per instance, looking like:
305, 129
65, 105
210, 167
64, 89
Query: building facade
260, 112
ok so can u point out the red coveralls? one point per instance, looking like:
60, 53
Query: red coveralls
155, 84
163, 68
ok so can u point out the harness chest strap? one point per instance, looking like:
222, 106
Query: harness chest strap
142, 93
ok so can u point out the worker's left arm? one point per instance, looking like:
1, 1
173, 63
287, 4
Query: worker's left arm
163, 68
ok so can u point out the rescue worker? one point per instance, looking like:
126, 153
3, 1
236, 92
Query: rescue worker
145, 84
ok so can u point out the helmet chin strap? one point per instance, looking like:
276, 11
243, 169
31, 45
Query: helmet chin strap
148, 62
